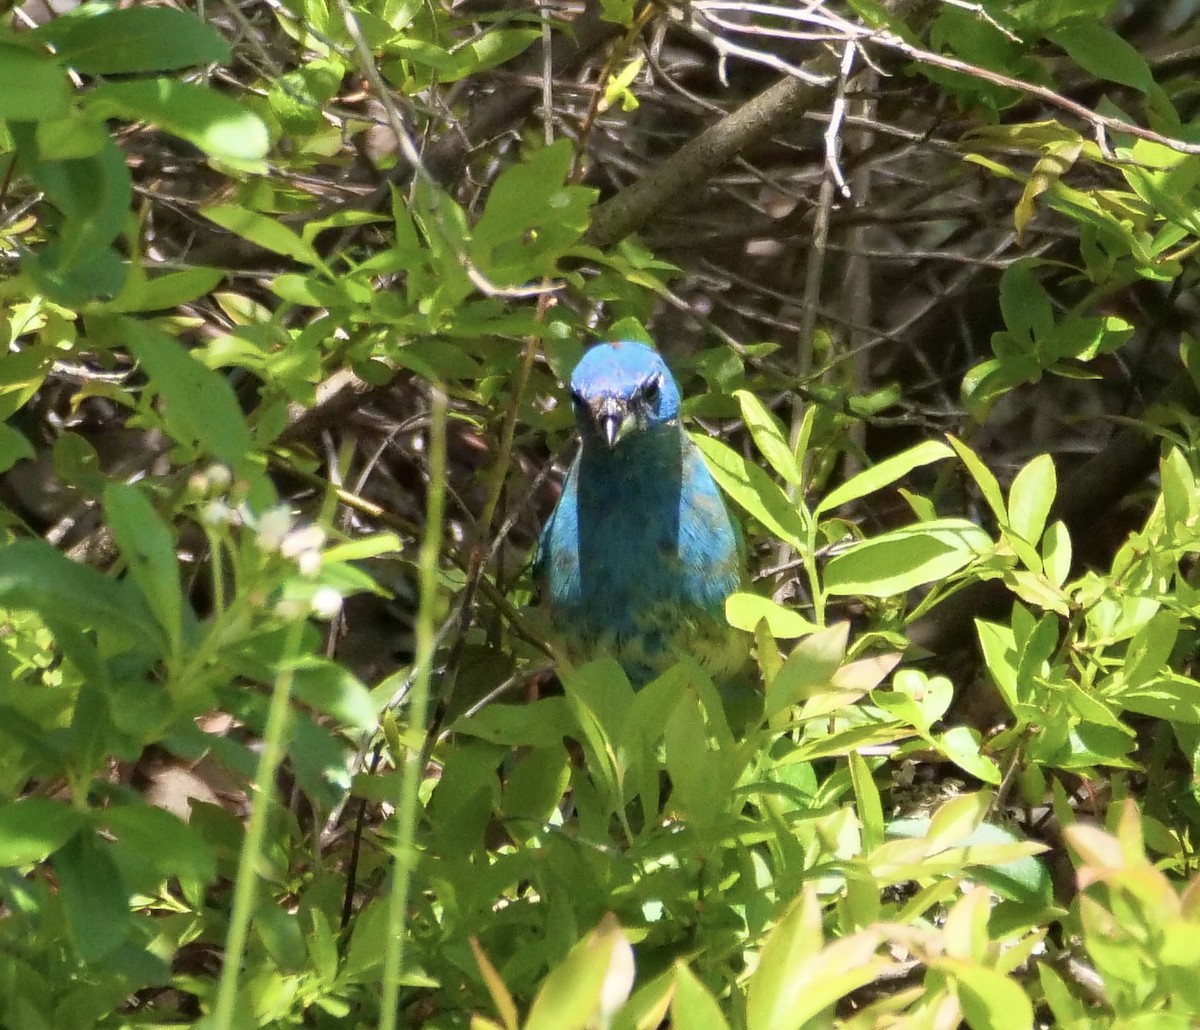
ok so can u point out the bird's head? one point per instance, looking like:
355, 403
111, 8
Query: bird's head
622, 388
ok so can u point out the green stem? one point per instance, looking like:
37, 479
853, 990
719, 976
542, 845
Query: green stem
403, 851
246, 885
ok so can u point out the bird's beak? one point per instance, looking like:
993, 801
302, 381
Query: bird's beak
612, 419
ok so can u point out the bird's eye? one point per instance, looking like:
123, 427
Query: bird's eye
651, 389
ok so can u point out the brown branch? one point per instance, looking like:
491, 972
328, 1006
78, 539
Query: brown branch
685, 171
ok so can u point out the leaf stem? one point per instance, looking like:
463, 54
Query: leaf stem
403, 851
246, 885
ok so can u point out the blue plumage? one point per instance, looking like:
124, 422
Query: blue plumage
640, 554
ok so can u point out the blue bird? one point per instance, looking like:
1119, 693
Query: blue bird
640, 553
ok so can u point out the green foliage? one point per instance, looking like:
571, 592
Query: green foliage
756, 854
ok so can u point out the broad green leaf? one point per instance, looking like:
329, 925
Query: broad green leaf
1065, 1007
488, 50
93, 194
753, 489
322, 948
797, 979
36, 577
965, 929
94, 896
1179, 489
701, 757
990, 1000
536, 784
961, 745
1099, 50
268, 233
957, 819
768, 437
33, 85
809, 668
1056, 553
164, 292
32, 829
692, 1004
1030, 498
21, 376
333, 690
903, 559
780, 979
884, 474
1025, 880
155, 838
14, 447
1150, 648
149, 549
215, 123
1024, 303
573, 994
70, 138
201, 406
746, 611
132, 39
541, 723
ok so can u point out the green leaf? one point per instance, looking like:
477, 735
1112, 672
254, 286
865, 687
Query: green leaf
987, 483
164, 292
93, 194
36, 577
961, 745
574, 992
768, 437
1056, 554
262, 231
14, 447
492, 48
1099, 50
21, 376
34, 828
149, 549
1024, 303
1030, 498
701, 757
94, 896
692, 1004
536, 785
532, 215
201, 406
746, 611
155, 838
884, 474
132, 39
797, 979
903, 559
32, 85
809, 668
990, 1000
217, 124
333, 690
753, 489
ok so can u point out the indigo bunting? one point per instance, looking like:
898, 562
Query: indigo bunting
640, 553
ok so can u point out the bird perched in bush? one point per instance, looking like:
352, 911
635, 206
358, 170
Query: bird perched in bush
640, 553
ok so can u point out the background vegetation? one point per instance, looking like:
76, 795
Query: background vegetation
288, 289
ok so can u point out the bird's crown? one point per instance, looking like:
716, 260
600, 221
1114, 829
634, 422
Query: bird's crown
628, 377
